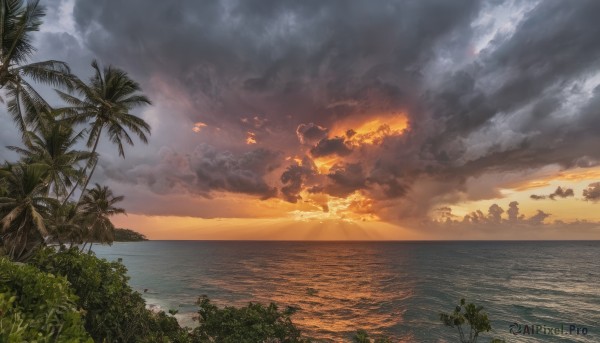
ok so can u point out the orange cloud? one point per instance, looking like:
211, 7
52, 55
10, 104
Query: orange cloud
574, 175
372, 131
198, 127
250, 138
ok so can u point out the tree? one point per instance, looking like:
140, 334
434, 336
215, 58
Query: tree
470, 314
23, 208
53, 145
18, 20
66, 223
106, 102
98, 205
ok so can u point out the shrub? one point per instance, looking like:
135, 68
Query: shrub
113, 311
249, 324
472, 315
37, 307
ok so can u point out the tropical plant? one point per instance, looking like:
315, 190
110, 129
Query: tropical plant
106, 102
113, 311
23, 208
18, 20
471, 315
98, 205
37, 307
53, 145
66, 223
253, 323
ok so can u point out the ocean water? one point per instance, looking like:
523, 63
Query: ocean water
391, 288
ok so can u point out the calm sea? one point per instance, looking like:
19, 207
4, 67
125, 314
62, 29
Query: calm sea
395, 288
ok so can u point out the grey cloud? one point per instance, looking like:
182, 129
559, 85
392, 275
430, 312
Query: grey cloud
495, 217
592, 192
513, 212
294, 63
558, 193
331, 146
562, 193
345, 179
311, 133
293, 179
203, 171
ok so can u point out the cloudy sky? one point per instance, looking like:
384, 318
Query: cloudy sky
278, 119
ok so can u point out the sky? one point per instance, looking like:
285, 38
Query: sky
336, 120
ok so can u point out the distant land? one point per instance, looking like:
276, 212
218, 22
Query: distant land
128, 235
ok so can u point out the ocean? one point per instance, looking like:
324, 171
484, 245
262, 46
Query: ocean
395, 289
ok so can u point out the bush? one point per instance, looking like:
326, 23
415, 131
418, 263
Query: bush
113, 311
37, 307
253, 323
471, 315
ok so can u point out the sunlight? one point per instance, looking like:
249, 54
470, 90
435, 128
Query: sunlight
373, 131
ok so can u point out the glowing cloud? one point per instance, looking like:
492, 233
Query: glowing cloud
250, 138
372, 131
198, 127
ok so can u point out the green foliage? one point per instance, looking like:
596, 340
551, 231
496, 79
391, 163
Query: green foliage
249, 324
23, 209
113, 311
127, 235
98, 204
19, 19
53, 145
471, 315
37, 307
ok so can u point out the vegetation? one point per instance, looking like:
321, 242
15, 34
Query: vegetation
36, 205
127, 235
471, 315
253, 323
113, 311
37, 307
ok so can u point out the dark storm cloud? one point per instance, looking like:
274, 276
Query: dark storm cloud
275, 68
345, 179
331, 146
294, 178
217, 170
309, 59
203, 171
311, 133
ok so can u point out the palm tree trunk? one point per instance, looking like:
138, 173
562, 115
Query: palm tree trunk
87, 180
71, 192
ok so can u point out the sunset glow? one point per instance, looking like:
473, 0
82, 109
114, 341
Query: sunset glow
348, 116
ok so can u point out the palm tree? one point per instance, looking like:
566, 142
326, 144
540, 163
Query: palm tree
106, 102
66, 223
98, 205
18, 20
53, 146
23, 208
